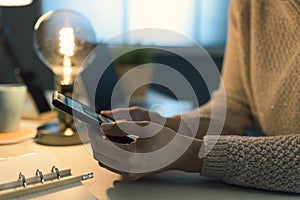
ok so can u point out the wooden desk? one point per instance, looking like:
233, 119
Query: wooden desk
169, 185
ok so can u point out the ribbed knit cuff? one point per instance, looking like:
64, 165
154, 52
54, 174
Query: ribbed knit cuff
214, 163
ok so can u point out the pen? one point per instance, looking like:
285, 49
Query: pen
45, 186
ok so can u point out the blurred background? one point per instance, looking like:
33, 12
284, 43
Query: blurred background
204, 21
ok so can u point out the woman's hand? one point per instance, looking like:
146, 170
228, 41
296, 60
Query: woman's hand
156, 149
176, 122
140, 114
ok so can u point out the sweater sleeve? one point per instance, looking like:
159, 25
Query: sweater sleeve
235, 80
271, 163
235, 74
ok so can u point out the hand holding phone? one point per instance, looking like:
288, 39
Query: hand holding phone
84, 113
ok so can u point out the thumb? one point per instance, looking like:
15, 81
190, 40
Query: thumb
142, 129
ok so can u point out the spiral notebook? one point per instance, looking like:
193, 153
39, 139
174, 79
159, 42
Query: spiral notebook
31, 176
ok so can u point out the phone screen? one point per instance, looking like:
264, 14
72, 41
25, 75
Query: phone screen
79, 110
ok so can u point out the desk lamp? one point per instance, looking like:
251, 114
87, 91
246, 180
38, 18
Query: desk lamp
62, 40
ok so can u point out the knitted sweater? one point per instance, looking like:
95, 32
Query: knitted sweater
261, 76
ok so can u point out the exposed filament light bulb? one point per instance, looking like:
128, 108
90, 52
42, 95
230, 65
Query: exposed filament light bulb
62, 40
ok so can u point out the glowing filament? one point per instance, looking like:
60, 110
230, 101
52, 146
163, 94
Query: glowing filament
67, 41
67, 46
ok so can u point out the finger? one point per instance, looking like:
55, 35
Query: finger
117, 114
112, 129
132, 113
104, 148
143, 129
122, 128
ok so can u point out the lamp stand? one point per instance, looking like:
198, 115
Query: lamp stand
62, 132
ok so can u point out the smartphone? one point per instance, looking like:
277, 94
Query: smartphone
78, 110
85, 114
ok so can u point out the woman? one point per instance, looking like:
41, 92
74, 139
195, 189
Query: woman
261, 74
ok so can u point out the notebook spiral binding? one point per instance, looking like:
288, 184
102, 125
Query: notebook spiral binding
39, 177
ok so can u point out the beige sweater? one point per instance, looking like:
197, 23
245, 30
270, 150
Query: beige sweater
261, 75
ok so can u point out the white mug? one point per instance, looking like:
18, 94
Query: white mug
12, 100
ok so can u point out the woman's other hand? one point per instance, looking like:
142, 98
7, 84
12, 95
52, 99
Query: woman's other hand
156, 149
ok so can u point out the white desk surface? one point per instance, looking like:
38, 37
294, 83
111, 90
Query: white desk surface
169, 185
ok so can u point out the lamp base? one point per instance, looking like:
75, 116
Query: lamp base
57, 134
